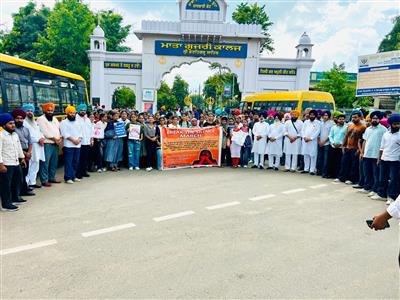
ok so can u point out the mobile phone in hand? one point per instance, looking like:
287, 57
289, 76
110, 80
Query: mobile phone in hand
369, 223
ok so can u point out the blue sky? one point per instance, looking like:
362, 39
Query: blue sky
341, 30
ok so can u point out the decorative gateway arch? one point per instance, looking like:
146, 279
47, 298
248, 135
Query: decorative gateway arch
201, 34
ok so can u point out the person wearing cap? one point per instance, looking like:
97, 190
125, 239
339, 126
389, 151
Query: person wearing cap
372, 140
336, 137
87, 140
11, 159
72, 133
26, 144
324, 144
309, 147
50, 127
292, 142
274, 145
37, 139
389, 162
349, 166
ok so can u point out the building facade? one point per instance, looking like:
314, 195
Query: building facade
201, 34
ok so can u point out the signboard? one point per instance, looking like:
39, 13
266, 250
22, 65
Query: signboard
148, 95
227, 90
123, 65
277, 71
316, 77
148, 107
200, 49
191, 147
134, 131
203, 5
379, 74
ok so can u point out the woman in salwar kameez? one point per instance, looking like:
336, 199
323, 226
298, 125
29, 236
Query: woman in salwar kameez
114, 143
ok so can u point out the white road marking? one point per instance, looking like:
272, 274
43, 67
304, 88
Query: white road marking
173, 216
293, 191
107, 230
318, 186
223, 205
28, 247
258, 198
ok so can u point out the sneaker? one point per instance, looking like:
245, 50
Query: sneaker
130, 168
312, 173
371, 194
364, 191
20, 201
245, 166
77, 180
149, 169
261, 167
100, 171
377, 197
104, 169
11, 208
137, 168
357, 186
254, 167
337, 180
69, 181
389, 201
348, 182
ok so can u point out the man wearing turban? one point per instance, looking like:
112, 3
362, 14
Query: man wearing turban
26, 144
50, 127
37, 139
274, 146
309, 148
11, 159
292, 142
72, 134
87, 140
371, 144
389, 162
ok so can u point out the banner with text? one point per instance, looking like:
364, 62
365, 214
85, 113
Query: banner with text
199, 49
191, 147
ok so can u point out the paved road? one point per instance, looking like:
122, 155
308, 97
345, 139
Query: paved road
198, 233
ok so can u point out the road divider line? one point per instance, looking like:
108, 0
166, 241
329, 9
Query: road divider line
28, 247
293, 191
107, 230
318, 186
258, 198
223, 205
174, 216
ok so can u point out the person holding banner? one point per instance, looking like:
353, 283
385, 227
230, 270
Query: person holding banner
113, 134
135, 136
260, 131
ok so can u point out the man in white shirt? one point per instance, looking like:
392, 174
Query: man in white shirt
324, 144
11, 159
389, 162
87, 140
71, 131
309, 148
260, 132
292, 143
37, 145
174, 122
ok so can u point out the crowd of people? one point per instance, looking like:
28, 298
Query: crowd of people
362, 150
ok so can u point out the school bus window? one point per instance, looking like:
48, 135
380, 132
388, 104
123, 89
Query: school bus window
65, 98
317, 105
27, 93
75, 98
46, 94
285, 106
12, 91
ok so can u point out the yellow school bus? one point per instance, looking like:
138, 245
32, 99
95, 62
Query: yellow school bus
22, 82
287, 101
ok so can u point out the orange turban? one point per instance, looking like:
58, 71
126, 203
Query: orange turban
294, 113
368, 118
70, 109
47, 106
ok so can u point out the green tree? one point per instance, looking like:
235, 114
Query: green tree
335, 82
392, 39
180, 89
28, 24
165, 97
124, 97
198, 101
67, 37
115, 33
214, 87
246, 13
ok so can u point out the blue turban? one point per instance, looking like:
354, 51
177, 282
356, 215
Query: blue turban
81, 106
27, 107
376, 113
356, 112
5, 118
394, 119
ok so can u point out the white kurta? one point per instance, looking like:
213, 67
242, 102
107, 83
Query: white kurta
310, 130
36, 135
260, 129
290, 130
275, 131
87, 129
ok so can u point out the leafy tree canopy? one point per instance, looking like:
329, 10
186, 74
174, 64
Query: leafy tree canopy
124, 97
165, 97
246, 13
115, 33
392, 39
180, 89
